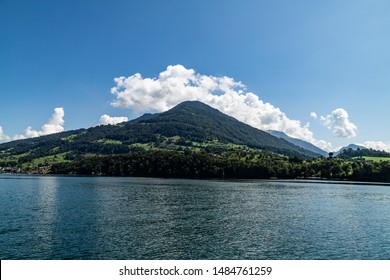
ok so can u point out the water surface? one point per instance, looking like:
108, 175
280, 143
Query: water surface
53, 217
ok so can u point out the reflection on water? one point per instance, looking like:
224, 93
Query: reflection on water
46, 209
140, 218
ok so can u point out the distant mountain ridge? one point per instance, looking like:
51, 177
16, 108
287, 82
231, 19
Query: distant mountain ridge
354, 147
298, 142
358, 151
191, 124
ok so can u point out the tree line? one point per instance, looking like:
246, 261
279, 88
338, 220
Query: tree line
229, 164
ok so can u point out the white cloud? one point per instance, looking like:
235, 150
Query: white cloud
177, 84
106, 119
3, 136
338, 121
322, 144
54, 125
377, 145
314, 115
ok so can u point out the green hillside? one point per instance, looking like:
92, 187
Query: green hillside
362, 153
190, 126
192, 140
376, 159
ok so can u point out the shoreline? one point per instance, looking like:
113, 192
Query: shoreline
289, 180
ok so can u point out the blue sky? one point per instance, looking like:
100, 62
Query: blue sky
299, 56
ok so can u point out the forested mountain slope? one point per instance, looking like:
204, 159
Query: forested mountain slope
190, 125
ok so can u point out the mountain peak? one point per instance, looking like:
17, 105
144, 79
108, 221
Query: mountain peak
192, 105
354, 147
195, 112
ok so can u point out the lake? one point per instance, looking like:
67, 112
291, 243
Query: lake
54, 217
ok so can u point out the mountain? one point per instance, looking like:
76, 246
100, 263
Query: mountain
357, 151
354, 147
298, 142
201, 123
190, 125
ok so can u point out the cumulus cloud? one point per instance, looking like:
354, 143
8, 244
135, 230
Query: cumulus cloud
106, 119
377, 145
54, 125
314, 115
177, 84
338, 121
3, 136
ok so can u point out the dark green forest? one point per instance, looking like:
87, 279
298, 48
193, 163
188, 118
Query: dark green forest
243, 164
